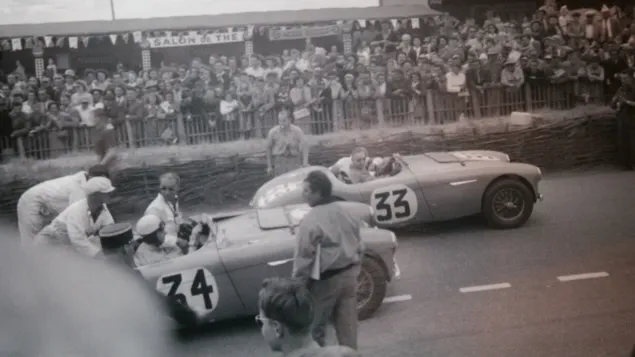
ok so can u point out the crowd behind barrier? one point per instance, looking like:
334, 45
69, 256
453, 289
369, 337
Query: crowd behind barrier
433, 107
397, 74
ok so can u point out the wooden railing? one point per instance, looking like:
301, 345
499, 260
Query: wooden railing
431, 108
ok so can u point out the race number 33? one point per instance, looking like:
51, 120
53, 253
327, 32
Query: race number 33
394, 204
196, 288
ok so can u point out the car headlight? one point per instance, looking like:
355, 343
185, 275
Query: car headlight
539, 171
507, 158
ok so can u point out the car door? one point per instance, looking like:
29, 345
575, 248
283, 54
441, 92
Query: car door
199, 280
257, 246
397, 200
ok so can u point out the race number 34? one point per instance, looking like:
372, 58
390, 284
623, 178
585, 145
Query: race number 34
196, 288
394, 204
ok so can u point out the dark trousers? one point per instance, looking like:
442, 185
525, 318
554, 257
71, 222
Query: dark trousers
626, 137
336, 302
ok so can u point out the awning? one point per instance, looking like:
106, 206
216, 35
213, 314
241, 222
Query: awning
214, 21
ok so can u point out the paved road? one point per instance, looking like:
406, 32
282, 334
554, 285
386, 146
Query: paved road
585, 225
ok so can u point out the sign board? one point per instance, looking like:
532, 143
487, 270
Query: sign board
196, 40
295, 33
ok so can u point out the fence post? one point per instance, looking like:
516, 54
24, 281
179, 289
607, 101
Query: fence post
21, 150
180, 129
337, 117
381, 119
130, 134
430, 107
75, 139
477, 98
529, 105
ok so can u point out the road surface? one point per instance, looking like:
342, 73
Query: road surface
469, 291
562, 286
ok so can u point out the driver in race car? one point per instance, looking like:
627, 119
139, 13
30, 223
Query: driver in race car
152, 234
360, 168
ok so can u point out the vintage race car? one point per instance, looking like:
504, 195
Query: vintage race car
221, 280
436, 186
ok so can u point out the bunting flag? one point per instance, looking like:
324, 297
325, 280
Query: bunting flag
250, 30
113, 38
16, 44
85, 40
72, 42
60, 42
361, 22
395, 23
339, 22
126, 38
29, 43
48, 41
137, 36
415, 23
5, 45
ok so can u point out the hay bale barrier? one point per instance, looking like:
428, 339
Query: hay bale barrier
227, 175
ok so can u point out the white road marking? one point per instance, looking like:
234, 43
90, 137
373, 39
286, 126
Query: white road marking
476, 288
600, 274
397, 298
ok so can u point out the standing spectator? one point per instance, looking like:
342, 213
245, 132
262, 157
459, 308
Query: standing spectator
286, 315
624, 103
301, 98
287, 147
327, 258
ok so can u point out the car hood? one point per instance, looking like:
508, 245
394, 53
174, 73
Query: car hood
287, 187
468, 156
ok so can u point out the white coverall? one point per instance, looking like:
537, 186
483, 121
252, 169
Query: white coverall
41, 203
170, 216
75, 227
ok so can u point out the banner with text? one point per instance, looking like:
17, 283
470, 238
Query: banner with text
295, 33
196, 40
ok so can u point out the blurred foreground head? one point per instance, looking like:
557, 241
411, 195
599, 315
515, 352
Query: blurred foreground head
55, 303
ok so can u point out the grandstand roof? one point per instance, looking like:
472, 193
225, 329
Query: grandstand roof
213, 21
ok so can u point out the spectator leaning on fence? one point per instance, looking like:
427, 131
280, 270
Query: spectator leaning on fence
230, 98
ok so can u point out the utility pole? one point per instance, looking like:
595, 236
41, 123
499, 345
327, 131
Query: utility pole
112, 10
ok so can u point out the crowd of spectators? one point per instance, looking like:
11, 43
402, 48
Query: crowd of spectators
236, 94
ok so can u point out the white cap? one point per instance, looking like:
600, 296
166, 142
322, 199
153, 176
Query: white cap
148, 224
98, 185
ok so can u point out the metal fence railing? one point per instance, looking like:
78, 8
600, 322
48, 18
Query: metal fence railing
431, 108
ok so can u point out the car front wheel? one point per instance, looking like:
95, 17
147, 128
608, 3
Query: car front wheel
507, 203
371, 288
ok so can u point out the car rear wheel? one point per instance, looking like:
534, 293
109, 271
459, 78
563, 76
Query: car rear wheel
371, 288
507, 203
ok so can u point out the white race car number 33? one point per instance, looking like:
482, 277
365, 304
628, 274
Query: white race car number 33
394, 204
194, 287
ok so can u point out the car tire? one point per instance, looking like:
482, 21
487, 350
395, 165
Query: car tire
372, 273
507, 187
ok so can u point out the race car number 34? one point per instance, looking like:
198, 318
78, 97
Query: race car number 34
196, 288
394, 204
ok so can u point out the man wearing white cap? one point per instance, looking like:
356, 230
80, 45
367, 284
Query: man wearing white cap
41, 203
152, 232
79, 224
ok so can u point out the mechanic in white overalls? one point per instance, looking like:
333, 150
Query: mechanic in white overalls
166, 207
151, 232
79, 224
41, 203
